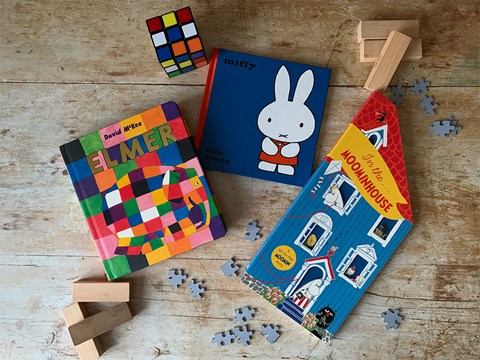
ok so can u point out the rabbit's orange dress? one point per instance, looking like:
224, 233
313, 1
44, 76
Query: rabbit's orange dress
278, 158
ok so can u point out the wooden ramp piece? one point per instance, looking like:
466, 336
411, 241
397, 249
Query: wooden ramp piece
380, 29
370, 50
99, 323
91, 349
390, 56
100, 291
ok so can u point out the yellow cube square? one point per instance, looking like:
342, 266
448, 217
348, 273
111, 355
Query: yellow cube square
168, 63
169, 19
185, 63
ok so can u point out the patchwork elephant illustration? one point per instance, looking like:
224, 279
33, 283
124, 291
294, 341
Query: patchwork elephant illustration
155, 205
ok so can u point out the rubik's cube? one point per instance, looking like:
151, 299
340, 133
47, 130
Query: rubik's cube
177, 42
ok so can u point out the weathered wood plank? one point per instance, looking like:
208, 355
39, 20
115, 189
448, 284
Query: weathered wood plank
85, 41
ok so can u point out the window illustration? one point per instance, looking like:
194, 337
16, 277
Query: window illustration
358, 265
377, 136
342, 195
315, 234
383, 229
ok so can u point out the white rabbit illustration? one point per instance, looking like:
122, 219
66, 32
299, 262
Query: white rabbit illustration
286, 123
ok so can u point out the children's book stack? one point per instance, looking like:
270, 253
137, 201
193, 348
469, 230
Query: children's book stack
146, 198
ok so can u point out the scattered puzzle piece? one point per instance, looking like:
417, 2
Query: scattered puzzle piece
242, 315
442, 128
398, 94
420, 86
243, 335
428, 105
228, 269
195, 289
271, 332
453, 122
252, 232
391, 318
223, 338
176, 277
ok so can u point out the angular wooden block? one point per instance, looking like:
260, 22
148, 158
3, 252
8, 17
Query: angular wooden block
380, 29
100, 291
390, 56
91, 349
100, 323
370, 50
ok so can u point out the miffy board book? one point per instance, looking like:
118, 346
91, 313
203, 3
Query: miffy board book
142, 190
342, 228
261, 117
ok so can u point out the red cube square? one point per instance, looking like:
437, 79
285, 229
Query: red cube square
154, 24
184, 15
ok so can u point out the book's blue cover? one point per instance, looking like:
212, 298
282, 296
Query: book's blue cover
261, 117
341, 229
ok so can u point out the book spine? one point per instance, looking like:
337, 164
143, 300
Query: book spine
91, 226
206, 98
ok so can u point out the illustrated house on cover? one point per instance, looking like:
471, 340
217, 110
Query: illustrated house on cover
361, 216
302, 293
315, 234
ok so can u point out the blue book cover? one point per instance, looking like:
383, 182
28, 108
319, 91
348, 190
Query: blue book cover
261, 117
341, 229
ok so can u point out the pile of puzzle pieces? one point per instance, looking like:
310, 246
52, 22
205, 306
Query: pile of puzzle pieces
243, 335
84, 329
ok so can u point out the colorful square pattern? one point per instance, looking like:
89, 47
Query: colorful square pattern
142, 189
177, 42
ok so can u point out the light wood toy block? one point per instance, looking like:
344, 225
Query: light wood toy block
380, 29
100, 291
386, 64
99, 323
370, 50
91, 349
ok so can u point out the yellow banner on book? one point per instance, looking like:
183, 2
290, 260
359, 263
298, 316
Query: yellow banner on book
364, 165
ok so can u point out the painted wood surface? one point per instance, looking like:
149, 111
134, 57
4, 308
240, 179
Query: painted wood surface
73, 67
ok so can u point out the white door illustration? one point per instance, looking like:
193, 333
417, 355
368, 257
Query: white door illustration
312, 279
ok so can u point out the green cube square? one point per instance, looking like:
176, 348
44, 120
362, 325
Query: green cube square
92, 142
131, 207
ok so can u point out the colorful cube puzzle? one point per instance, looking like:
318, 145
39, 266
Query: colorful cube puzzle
177, 42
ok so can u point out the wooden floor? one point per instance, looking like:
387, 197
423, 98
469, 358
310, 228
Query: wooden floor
71, 67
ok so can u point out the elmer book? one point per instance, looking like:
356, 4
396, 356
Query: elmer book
341, 229
142, 190
261, 117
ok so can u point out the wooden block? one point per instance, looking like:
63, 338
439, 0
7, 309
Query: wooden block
100, 291
380, 29
91, 349
370, 50
386, 64
100, 323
